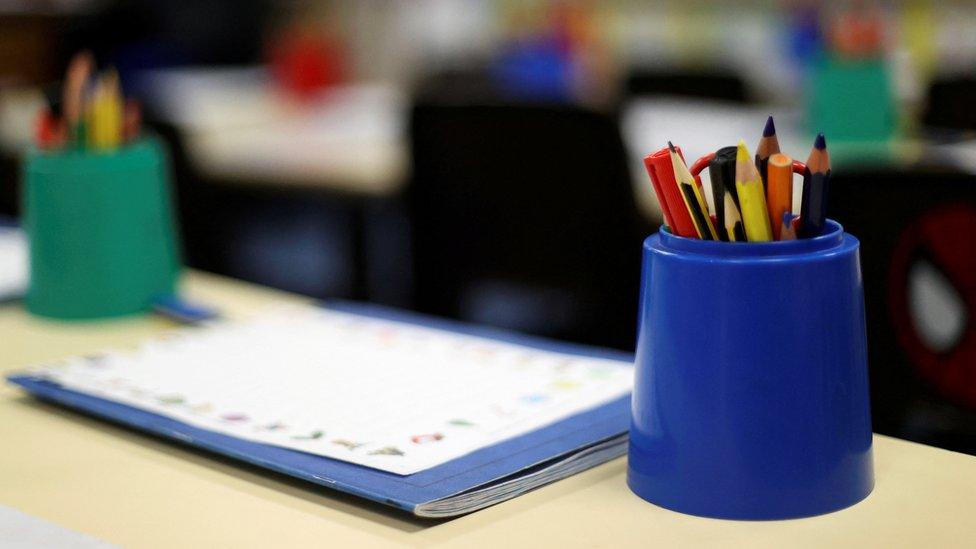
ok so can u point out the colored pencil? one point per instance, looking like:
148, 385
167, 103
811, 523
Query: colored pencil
768, 146
76, 78
749, 185
816, 186
779, 189
733, 221
105, 113
693, 198
786, 231
721, 171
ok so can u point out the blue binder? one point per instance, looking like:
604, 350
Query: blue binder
473, 481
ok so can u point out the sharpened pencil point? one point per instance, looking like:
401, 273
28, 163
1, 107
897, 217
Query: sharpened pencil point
742, 154
821, 142
671, 146
770, 129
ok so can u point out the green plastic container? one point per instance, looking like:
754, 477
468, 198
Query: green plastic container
851, 101
101, 229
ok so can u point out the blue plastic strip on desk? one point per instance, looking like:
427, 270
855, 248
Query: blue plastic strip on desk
405, 492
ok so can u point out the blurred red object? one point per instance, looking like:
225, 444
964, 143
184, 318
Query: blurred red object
50, 131
944, 238
305, 63
131, 120
858, 33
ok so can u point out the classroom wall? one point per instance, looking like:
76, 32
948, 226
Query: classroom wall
395, 39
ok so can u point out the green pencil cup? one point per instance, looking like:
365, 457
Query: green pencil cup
101, 230
851, 100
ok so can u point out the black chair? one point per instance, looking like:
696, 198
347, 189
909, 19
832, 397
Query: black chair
917, 228
524, 217
949, 105
299, 240
716, 84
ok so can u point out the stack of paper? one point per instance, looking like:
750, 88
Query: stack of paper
396, 397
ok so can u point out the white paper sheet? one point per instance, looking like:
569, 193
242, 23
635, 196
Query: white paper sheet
387, 395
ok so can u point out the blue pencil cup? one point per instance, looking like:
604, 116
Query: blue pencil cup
751, 392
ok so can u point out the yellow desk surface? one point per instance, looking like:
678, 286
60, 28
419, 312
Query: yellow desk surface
138, 491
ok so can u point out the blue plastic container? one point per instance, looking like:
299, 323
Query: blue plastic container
751, 391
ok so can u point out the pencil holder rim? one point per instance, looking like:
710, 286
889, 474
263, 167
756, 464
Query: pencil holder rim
798, 167
832, 237
46, 161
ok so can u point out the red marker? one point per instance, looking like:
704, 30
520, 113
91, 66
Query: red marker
676, 214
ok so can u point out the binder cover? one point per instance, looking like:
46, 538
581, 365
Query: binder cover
473, 481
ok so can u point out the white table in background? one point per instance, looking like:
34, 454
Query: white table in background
239, 127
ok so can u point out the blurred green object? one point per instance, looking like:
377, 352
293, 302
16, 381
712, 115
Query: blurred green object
101, 229
851, 101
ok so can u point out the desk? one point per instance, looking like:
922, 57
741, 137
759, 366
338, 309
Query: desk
238, 127
135, 490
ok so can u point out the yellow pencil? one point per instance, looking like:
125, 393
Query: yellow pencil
752, 198
694, 200
105, 113
733, 222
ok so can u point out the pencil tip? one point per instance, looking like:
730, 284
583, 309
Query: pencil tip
742, 151
821, 142
770, 129
671, 146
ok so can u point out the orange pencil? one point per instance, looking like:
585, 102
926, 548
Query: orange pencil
779, 190
79, 71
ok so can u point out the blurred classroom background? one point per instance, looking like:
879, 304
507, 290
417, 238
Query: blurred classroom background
481, 159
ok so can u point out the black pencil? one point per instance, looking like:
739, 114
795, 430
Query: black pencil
816, 186
721, 172
768, 146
